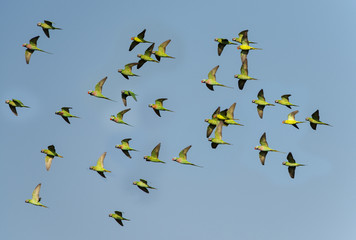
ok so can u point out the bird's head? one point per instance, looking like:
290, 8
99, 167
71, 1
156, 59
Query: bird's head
284, 163
91, 168
123, 91
253, 101
132, 38
235, 76
150, 105
120, 70
39, 24
206, 120
134, 183
174, 159
203, 81
257, 147
90, 92
145, 157
209, 139
27, 201
118, 146
112, 118
110, 215
43, 150
307, 119
24, 45
139, 55
153, 52
234, 39
277, 101
7, 101
58, 113
283, 121
239, 47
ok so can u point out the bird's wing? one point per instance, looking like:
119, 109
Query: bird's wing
244, 38
244, 68
140, 63
261, 96
99, 85
144, 181
28, 54
121, 114
133, 95
210, 129
48, 162
183, 153
159, 101
230, 111
127, 153
220, 48
162, 47
133, 45
66, 109
286, 97
66, 119
46, 31
143, 189
291, 171
125, 141
148, 51
36, 193
13, 109
217, 111
315, 115
52, 148
155, 151
130, 65
142, 34
119, 222
260, 110
218, 131
100, 162
241, 84
263, 140
262, 156
157, 112
290, 158
33, 41
212, 72
291, 116
123, 97
48, 23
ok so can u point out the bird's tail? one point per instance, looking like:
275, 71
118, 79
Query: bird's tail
252, 42
44, 51
59, 156
58, 28
257, 48
26, 106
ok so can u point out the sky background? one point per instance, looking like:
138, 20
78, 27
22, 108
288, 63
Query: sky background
308, 51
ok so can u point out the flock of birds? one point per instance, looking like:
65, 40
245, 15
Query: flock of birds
218, 120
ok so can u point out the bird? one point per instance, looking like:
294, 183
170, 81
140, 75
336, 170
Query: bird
261, 103
245, 43
291, 164
46, 26
241, 36
143, 185
98, 89
222, 43
154, 155
119, 116
264, 149
35, 200
127, 71
162, 51
291, 119
315, 120
211, 81
146, 57
227, 116
31, 47
65, 114
158, 106
182, 159
125, 94
218, 136
118, 217
285, 101
125, 148
99, 168
14, 103
212, 122
243, 76
50, 154
138, 39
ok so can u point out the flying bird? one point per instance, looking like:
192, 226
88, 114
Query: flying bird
261, 103
158, 106
65, 114
119, 116
98, 90
227, 116
50, 154
118, 217
99, 168
125, 148
212, 122
291, 165
285, 101
264, 149
154, 155
46, 26
143, 185
138, 39
222, 43
291, 119
218, 136
127, 71
125, 94
14, 103
211, 81
35, 200
243, 76
162, 51
183, 157
146, 57
315, 120
31, 47
242, 36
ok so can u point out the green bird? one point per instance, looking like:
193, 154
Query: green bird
227, 116
65, 114
222, 43
99, 168
35, 200
46, 26
118, 217
14, 103
125, 94
98, 89
212, 122
154, 155
261, 103
242, 37
183, 157
211, 81
218, 136
143, 185
125, 148
138, 39
245, 43
243, 76
291, 165
50, 154
127, 71
146, 57
291, 119
162, 51
158, 106
315, 120
31, 47
264, 149
285, 101
119, 116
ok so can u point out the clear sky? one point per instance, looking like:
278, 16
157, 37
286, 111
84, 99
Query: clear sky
308, 52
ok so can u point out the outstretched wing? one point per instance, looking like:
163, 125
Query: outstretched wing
217, 111
100, 162
142, 34
155, 151
133, 45
244, 38
121, 114
212, 72
230, 111
209, 130
263, 140
36, 193
286, 97
218, 131
291, 171
260, 110
52, 148
28, 54
159, 101
221, 48
315, 115
48, 162
33, 41
125, 141
290, 158
148, 51
262, 156
99, 85
261, 96
162, 47
291, 116
13, 109
183, 153
66, 109
130, 65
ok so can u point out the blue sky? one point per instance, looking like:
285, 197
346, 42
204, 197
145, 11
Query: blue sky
308, 51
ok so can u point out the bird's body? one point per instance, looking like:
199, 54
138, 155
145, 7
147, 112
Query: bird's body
182, 159
125, 94
118, 217
46, 26
31, 47
99, 168
261, 103
161, 53
127, 71
35, 200
125, 147
243, 76
119, 116
218, 136
65, 114
138, 39
315, 120
285, 101
143, 185
211, 81
154, 155
212, 122
222, 43
291, 165
264, 149
146, 57
158, 106
291, 119
98, 89
50, 154
14, 103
